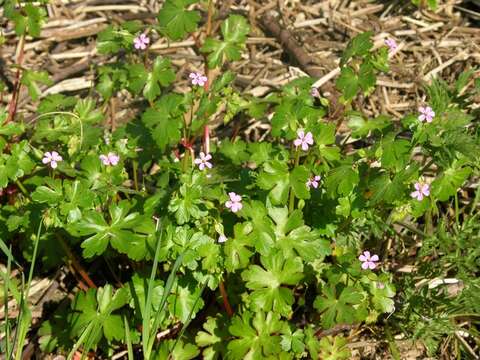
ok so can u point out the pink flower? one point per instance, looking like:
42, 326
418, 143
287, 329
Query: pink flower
303, 139
235, 202
314, 92
426, 114
421, 191
222, 239
110, 159
313, 181
392, 45
198, 79
368, 262
141, 42
51, 157
202, 161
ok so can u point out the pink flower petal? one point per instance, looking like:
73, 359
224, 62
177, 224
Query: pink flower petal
374, 258
309, 138
365, 265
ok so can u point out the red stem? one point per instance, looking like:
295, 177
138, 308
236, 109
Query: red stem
12, 107
226, 304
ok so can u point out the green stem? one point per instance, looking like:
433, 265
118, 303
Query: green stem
411, 228
25, 317
135, 176
457, 212
475, 200
22, 188
34, 256
291, 203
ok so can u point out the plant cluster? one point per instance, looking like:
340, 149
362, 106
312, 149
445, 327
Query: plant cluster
227, 249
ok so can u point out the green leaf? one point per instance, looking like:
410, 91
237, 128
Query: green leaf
362, 127
127, 232
334, 348
341, 180
35, 17
29, 19
360, 45
96, 307
185, 299
260, 152
294, 238
138, 287
105, 86
293, 342
181, 351
255, 337
51, 194
77, 196
237, 251
348, 83
338, 309
298, 179
448, 183
165, 120
137, 77
390, 190
17, 164
212, 338
234, 151
31, 79
382, 296
395, 153
269, 294
366, 77
186, 204
234, 30
161, 75
275, 177
175, 20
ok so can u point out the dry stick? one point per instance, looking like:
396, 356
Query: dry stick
12, 107
335, 330
271, 25
78, 267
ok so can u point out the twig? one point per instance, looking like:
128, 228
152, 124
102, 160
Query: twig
271, 25
335, 330
466, 345
76, 264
